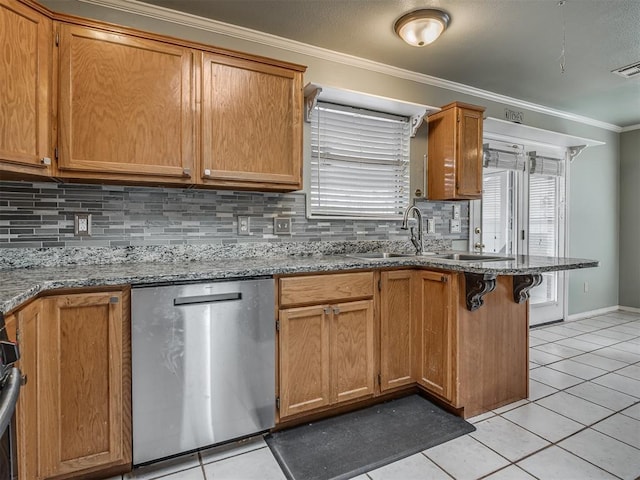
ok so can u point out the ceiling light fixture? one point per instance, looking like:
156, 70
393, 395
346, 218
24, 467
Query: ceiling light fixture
422, 27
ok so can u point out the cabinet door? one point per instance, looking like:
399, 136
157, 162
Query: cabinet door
469, 138
83, 401
251, 124
125, 107
27, 321
25, 86
437, 364
396, 329
352, 348
304, 359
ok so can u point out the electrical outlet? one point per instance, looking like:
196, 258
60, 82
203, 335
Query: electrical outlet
456, 212
431, 225
82, 224
244, 225
454, 226
282, 226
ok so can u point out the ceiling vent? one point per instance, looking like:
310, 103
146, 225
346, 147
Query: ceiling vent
629, 71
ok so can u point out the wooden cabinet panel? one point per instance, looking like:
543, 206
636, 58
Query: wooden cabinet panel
316, 289
25, 86
304, 359
454, 162
396, 329
83, 404
437, 364
352, 350
251, 124
126, 107
27, 321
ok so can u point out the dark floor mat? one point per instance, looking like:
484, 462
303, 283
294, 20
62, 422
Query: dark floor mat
348, 445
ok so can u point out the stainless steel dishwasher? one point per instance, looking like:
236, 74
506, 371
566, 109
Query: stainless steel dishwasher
203, 365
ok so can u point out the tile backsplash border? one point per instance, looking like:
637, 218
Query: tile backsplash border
41, 215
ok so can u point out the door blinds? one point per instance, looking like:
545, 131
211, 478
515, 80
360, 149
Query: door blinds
359, 162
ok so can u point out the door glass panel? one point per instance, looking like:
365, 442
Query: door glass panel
497, 211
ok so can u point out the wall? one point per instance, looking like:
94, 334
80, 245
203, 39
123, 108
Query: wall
630, 219
594, 184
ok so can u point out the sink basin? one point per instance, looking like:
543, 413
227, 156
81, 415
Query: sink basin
472, 257
378, 255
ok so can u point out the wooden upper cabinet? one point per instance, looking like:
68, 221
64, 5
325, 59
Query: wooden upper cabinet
397, 346
126, 107
251, 124
455, 153
26, 44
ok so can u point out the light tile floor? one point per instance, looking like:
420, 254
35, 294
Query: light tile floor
581, 421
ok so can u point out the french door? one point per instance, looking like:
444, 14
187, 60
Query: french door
523, 212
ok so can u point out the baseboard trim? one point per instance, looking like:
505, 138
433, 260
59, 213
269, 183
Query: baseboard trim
629, 309
593, 313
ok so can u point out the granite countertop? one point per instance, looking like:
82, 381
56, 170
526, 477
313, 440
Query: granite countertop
21, 284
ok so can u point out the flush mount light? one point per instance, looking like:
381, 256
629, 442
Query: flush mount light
422, 27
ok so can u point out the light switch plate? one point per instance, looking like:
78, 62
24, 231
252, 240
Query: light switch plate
82, 224
244, 225
455, 226
282, 226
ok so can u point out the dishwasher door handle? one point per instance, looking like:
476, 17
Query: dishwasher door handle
213, 298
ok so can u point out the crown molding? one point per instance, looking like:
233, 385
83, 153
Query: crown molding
630, 128
214, 26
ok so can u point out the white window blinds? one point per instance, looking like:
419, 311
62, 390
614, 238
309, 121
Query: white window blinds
359, 162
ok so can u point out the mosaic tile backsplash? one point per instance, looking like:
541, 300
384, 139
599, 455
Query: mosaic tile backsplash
41, 214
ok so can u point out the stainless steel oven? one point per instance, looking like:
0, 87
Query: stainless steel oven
10, 381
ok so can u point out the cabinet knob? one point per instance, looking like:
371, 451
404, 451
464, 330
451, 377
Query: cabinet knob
23, 380
327, 310
186, 172
113, 300
336, 310
45, 161
207, 172
479, 246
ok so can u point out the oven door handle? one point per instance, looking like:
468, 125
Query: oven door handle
9, 398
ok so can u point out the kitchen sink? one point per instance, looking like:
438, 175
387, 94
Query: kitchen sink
378, 255
472, 257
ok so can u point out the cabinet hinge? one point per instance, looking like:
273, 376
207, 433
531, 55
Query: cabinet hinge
57, 39
278, 403
277, 325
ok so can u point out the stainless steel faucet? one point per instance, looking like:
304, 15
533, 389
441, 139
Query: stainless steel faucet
415, 239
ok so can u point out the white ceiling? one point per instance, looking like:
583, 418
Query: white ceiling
509, 47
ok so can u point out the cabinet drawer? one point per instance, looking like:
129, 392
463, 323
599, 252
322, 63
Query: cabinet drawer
316, 289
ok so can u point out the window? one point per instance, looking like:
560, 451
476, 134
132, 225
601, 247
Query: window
359, 162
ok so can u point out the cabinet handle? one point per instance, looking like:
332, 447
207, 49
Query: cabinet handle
336, 310
45, 161
186, 172
23, 380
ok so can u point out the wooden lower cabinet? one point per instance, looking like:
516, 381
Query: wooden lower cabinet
326, 355
436, 358
74, 414
397, 325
